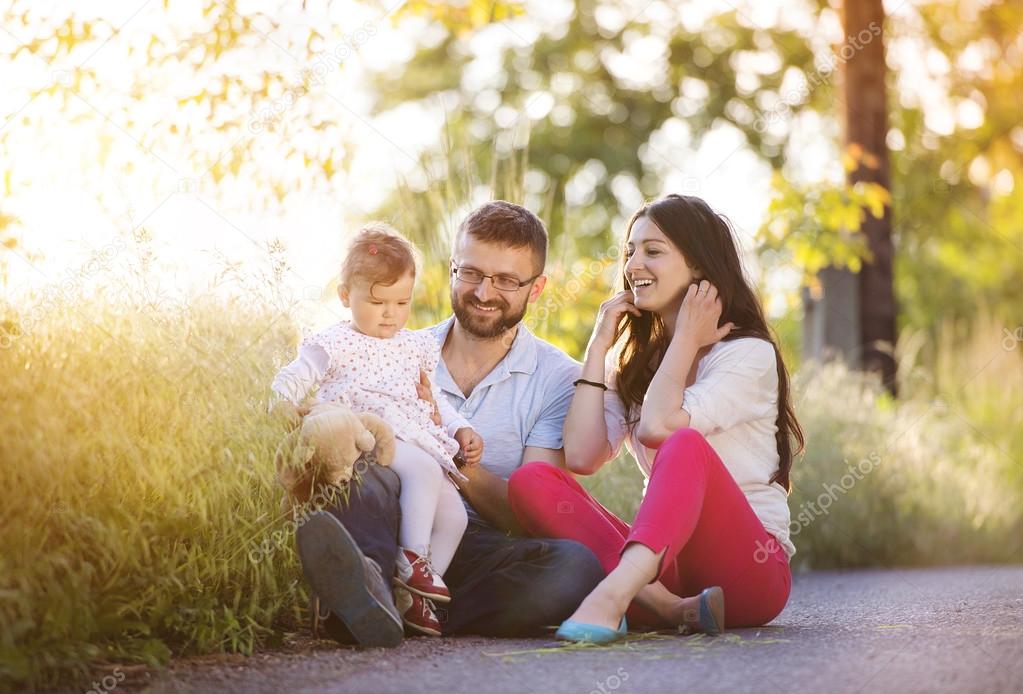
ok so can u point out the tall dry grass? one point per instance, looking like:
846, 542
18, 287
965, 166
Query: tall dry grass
140, 516
137, 469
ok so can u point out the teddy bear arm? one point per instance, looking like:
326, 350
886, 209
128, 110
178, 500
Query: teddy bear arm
383, 437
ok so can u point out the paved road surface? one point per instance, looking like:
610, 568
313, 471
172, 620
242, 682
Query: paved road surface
928, 630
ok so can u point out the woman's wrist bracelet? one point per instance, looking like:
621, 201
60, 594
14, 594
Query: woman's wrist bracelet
590, 383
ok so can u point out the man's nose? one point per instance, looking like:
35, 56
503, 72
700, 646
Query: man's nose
484, 290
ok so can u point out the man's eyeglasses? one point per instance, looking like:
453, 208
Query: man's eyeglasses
504, 283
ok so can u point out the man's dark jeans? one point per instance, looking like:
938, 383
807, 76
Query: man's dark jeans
500, 585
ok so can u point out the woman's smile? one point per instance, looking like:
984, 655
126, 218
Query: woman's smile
644, 291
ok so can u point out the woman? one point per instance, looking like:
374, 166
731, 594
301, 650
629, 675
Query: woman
700, 389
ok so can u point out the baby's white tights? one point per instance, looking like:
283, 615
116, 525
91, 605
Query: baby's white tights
433, 518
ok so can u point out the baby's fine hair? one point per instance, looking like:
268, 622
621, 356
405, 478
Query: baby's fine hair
378, 255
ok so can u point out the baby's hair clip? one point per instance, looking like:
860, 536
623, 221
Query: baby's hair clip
372, 249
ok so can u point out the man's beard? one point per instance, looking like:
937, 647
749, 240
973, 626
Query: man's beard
482, 326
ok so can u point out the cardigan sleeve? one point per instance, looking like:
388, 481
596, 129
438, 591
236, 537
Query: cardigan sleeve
738, 383
615, 416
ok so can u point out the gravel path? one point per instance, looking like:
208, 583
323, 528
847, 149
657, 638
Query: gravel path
953, 629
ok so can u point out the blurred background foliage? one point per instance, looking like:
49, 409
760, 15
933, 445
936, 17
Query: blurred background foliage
135, 498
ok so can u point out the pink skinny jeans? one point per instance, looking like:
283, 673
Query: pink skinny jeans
693, 509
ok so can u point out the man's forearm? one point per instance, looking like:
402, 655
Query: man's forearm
488, 494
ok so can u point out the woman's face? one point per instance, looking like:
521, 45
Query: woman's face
655, 269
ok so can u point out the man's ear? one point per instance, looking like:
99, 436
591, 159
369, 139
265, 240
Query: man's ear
342, 293
538, 284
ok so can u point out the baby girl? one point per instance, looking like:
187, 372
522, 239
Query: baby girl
372, 364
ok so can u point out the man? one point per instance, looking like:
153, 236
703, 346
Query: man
515, 390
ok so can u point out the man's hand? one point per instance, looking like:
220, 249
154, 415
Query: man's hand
471, 444
425, 392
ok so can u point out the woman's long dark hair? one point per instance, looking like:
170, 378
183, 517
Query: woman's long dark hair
708, 245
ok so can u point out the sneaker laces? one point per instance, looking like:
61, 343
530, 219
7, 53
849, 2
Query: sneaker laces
425, 558
428, 558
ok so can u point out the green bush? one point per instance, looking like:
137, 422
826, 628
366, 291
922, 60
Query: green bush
888, 482
140, 505
141, 517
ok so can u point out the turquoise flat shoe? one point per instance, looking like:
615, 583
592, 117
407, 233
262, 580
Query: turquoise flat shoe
712, 611
580, 632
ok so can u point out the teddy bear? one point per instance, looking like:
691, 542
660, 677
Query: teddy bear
323, 445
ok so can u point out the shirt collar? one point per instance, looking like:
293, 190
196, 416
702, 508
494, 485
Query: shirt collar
521, 358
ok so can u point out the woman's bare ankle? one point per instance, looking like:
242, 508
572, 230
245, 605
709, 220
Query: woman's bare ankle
601, 607
685, 613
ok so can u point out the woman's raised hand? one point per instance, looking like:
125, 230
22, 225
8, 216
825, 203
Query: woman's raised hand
610, 316
699, 315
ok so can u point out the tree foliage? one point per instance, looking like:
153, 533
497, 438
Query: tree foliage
570, 117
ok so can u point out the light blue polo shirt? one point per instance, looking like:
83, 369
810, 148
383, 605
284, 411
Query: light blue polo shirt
521, 402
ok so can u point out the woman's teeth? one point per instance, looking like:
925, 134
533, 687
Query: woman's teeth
639, 284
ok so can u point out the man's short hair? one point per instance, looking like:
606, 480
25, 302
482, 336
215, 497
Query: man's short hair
507, 224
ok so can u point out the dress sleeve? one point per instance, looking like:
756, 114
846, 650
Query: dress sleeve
738, 384
294, 381
328, 348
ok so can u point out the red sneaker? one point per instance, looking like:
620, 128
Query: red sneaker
417, 613
414, 573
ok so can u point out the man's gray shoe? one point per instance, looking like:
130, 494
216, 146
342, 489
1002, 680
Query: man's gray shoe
346, 582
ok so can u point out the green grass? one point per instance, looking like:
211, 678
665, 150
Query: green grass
137, 464
141, 520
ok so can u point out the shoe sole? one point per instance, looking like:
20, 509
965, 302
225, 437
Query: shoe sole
333, 565
419, 629
431, 596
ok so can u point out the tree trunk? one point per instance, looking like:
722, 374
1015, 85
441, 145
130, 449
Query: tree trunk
831, 319
866, 125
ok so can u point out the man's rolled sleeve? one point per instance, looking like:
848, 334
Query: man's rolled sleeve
548, 430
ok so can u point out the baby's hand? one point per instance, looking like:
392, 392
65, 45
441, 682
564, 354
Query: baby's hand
471, 444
